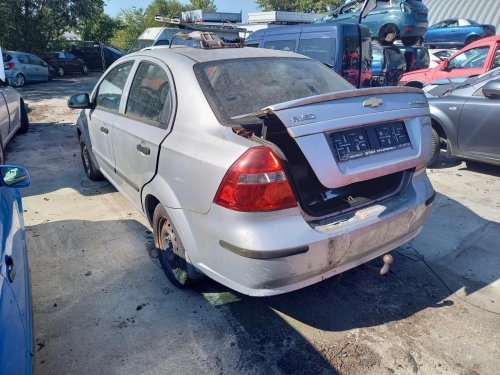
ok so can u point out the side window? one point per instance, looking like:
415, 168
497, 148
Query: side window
69, 56
149, 93
473, 58
110, 90
283, 45
353, 7
321, 49
23, 59
35, 60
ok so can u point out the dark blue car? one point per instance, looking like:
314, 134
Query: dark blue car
456, 32
16, 332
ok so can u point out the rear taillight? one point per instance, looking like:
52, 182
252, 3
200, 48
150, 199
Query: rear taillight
8, 66
255, 182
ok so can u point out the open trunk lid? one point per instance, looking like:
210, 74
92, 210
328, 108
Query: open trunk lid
358, 135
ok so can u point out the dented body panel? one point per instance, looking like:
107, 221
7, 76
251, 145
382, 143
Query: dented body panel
334, 246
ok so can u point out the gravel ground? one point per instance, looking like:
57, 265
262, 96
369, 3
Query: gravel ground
102, 305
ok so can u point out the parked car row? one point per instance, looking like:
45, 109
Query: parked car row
21, 67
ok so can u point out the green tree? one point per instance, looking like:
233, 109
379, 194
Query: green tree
30, 25
100, 28
134, 21
308, 6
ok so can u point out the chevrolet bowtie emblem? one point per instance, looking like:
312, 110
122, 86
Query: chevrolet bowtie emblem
373, 102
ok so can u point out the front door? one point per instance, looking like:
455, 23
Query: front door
478, 135
468, 63
101, 125
142, 128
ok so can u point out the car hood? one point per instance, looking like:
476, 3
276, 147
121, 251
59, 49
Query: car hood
419, 75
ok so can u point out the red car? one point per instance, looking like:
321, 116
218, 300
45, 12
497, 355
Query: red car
474, 59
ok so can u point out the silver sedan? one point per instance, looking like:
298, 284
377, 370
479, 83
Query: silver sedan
13, 116
261, 169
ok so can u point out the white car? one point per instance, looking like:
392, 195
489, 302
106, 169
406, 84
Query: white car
438, 55
13, 116
262, 169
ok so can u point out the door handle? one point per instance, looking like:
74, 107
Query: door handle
11, 268
104, 130
143, 149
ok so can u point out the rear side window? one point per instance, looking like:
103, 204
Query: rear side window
23, 59
6, 57
35, 60
149, 92
283, 45
321, 49
242, 86
110, 90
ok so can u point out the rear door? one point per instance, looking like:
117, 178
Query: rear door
39, 67
145, 122
13, 348
107, 99
71, 62
478, 134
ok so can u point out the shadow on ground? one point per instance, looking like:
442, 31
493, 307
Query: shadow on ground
59, 88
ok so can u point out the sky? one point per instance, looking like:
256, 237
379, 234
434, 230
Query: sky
113, 7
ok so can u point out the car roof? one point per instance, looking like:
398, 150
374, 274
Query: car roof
205, 54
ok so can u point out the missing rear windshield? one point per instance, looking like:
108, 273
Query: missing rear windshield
241, 86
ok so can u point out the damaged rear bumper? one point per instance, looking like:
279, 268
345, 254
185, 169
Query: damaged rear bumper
264, 254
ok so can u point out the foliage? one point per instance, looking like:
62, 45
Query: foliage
134, 21
30, 25
100, 28
308, 6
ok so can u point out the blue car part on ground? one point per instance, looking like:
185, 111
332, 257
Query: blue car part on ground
16, 323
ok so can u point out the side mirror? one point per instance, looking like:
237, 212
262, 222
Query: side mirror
79, 101
444, 65
492, 89
14, 176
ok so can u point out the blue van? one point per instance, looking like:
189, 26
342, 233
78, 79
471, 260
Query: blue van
346, 48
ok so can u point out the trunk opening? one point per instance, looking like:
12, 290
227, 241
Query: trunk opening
316, 200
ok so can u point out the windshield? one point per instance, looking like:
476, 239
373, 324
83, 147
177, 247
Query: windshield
244, 86
140, 44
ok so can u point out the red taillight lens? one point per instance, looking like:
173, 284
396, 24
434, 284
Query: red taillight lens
255, 182
8, 66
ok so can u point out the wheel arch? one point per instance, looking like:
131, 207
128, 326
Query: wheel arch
386, 27
416, 83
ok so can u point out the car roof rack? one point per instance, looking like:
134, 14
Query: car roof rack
206, 40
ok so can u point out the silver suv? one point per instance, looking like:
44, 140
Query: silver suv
261, 169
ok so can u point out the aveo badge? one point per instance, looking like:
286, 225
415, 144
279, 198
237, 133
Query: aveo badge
301, 118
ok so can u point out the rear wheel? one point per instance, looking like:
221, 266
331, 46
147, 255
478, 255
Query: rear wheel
20, 80
171, 252
436, 148
88, 165
25, 124
388, 33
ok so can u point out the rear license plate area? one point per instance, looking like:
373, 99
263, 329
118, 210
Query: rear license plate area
369, 140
